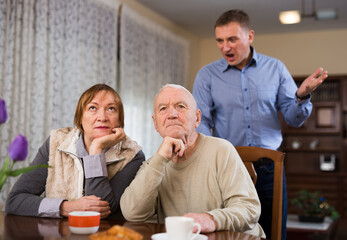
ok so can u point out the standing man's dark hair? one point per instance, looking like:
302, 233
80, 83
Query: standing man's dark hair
234, 15
241, 94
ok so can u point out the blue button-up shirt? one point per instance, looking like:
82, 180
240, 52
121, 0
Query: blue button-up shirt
242, 105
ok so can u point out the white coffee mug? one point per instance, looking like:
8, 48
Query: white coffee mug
181, 228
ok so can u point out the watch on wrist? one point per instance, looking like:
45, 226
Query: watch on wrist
304, 97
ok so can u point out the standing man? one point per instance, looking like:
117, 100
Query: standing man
241, 94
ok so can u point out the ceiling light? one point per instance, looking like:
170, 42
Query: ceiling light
308, 11
326, 14
289, 17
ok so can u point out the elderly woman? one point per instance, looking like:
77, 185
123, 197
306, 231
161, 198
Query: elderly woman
91, 164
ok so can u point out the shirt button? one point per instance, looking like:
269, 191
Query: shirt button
245, 89
249, 126
247, 108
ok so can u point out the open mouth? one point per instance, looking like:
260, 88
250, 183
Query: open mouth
230, 56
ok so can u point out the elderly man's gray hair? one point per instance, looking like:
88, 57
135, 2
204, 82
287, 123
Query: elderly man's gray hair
171, 85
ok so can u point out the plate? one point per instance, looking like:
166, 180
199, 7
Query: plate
163, 236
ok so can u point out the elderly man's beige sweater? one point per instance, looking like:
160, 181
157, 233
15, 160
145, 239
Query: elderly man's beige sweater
212, 180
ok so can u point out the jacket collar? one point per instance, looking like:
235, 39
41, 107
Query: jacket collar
74, 144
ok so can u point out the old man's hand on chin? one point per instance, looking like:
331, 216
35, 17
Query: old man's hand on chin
172, 149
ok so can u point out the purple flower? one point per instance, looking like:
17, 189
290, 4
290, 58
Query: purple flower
3, 112
18, 149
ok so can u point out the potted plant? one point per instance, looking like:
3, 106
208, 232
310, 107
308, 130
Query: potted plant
313, 207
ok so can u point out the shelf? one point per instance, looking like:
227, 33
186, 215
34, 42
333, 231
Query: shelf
311, 133
317, 174
326, 130
317, 150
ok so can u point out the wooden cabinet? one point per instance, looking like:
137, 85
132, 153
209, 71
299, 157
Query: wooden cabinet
325, 118
344, 119
316, 153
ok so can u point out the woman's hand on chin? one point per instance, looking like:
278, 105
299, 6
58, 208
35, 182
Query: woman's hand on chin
99, 144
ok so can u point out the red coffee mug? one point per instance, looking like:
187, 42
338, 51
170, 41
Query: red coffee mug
84, 222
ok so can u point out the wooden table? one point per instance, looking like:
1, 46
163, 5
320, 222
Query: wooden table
20, 227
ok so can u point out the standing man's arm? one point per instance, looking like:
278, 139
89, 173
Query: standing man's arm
295, 107
204, 101
311, 83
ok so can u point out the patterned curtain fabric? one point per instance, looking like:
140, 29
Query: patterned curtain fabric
150, 57
53, 50
50, 52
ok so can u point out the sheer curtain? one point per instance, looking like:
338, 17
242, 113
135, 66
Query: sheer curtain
50, 52
150, 57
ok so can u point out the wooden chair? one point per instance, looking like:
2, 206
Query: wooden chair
249, 155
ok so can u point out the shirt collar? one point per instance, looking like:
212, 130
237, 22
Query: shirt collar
225, 65
80, 148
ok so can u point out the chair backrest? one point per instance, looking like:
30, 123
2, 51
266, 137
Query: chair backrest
249, 155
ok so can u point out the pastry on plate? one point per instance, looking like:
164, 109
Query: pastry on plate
117, 232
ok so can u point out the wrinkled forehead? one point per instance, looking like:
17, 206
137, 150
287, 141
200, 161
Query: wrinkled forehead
171, 95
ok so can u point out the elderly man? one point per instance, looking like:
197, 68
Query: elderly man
192, 174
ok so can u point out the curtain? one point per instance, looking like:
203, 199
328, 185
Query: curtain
53, 50
50, 52
150, 57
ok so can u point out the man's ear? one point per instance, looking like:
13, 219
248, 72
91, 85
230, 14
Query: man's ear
198, 118
250, 36
155, 122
